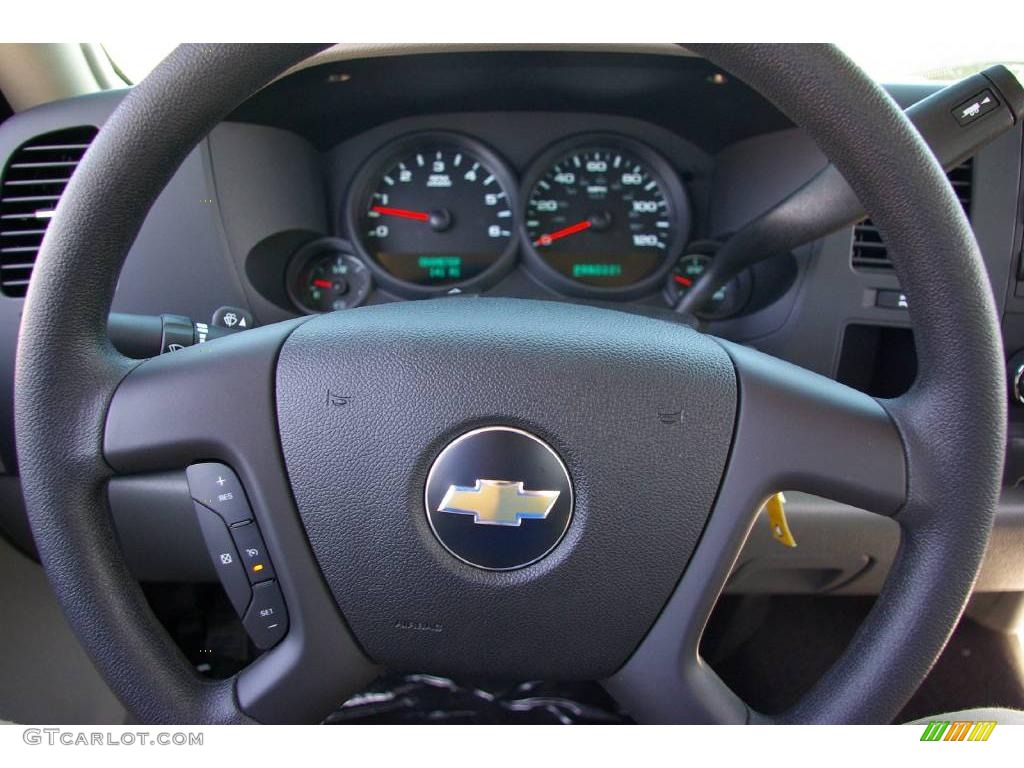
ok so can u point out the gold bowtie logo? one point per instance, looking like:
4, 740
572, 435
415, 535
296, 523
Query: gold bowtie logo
498, 502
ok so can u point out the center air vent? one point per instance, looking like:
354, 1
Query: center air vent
32, 183
869, 250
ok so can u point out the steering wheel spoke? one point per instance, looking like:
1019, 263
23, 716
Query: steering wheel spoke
799, 431
215, 402
210, 401
795, 430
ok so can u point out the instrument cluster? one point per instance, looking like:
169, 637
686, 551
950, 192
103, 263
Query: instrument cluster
597, 215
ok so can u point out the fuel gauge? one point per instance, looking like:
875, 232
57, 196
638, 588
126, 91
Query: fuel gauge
324, 277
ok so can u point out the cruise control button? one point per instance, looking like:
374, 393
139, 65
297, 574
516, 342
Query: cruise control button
266, 621
214, 485
253, 552
226, 561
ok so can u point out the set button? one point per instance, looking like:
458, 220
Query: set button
266, 621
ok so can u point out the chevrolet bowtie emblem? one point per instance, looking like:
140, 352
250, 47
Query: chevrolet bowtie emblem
498, 502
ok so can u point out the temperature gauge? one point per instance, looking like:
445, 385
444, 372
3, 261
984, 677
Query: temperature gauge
325, 278
728, 300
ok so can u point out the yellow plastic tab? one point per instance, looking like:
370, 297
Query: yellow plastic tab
776, 509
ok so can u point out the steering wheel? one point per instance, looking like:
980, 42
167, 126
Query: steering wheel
334, 424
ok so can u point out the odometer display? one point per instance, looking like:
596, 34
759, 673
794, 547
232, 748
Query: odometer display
435, 213
603, 214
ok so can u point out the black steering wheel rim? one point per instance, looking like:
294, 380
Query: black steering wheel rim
951, 424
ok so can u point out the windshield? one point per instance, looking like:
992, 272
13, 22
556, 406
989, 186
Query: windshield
908, 62
923, 60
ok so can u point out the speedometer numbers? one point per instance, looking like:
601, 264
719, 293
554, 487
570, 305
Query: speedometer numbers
603, 214
436, 213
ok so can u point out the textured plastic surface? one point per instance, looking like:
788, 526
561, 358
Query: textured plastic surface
233, 422
640, 411
267, 182
795, 430
157, 527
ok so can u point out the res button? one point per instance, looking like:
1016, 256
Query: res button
214, 485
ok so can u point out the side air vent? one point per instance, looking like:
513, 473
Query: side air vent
32, 183
869, 251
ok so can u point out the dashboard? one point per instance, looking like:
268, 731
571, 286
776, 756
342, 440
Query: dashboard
608, 177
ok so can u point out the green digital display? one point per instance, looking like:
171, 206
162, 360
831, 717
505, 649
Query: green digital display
596, 270
441, 267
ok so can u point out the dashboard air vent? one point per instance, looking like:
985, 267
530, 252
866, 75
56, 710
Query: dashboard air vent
869, 251
32, 183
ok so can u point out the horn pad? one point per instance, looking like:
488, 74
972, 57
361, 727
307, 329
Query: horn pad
639, 411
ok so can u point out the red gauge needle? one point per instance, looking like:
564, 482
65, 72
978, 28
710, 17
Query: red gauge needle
571, 230
320, 283
401, 213
684, 281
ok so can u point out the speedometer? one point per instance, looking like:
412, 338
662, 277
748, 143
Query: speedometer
604, 214
434, 212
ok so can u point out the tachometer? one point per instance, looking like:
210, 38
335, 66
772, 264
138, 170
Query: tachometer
604, 213
434, 212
